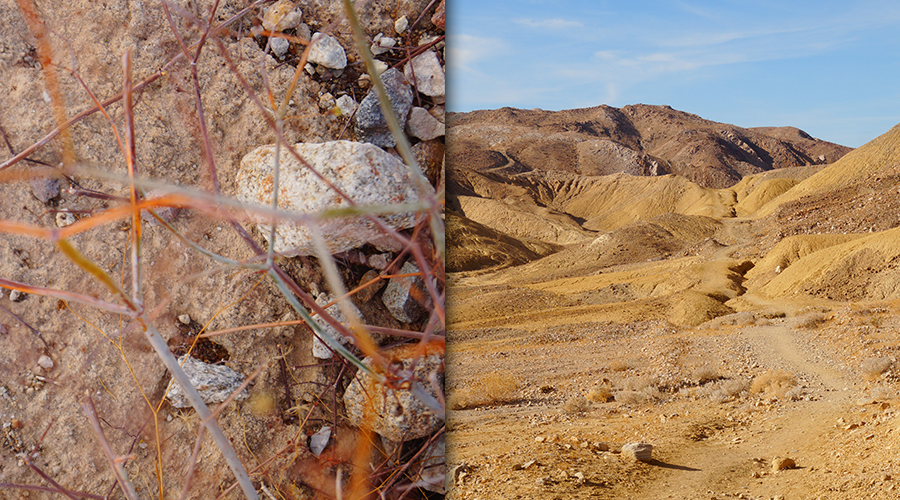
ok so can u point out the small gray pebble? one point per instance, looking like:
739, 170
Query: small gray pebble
45, 189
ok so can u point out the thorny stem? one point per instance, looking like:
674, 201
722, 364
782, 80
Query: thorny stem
117, 464
131, 159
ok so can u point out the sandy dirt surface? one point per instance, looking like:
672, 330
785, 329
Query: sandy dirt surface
94, 352
548, 390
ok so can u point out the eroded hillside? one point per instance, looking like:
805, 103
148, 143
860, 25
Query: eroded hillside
726, 324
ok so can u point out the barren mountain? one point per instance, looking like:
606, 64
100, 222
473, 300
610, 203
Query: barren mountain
638, 140
729, 325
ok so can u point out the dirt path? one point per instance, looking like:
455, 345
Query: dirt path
739, 460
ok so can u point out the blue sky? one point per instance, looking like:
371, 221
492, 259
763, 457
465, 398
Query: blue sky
831, 68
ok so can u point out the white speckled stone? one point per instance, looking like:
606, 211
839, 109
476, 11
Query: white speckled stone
327, 52
429, 76
214, 383
406, 297
366, 173
422, 125
399, 414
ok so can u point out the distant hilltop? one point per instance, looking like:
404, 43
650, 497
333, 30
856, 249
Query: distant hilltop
639, 139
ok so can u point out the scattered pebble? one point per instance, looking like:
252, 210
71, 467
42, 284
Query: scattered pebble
406, 297
64, 219
425, 70
280, 46
401, 24
382, 44
214, 383
367, 174
346, 104
16, 296
326, 101
319, 349
45, 362
282, 15
367, 293
430, 157
423, 126
438, 18
371, 125
379, 261
319, 440
327, 51
184, 319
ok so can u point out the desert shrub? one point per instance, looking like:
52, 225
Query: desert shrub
872, 368
882, 392
621, 365
600, 394
630, 397
719, 392
705, 373
489, 389
773, 383
812, 321
638, 383
577, 404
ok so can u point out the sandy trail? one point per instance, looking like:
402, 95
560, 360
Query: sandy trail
734, 462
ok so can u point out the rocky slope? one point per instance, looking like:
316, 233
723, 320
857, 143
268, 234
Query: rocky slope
727, 326
637, 140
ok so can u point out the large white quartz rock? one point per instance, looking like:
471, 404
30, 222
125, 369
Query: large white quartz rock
366, 173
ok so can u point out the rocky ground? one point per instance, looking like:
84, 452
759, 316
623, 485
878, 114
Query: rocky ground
720, 404
290, 428
747, 333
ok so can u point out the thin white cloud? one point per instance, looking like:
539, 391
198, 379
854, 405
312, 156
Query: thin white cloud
555, 24
466, 50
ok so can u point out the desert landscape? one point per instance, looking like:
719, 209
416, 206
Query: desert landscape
641, 275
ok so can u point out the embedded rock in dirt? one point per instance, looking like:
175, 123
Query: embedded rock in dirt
326, 51
365, 173
406, 297
638, 451
214, 383
398, 414
371, 125
320, 350
783, 463
426, 73
44, 188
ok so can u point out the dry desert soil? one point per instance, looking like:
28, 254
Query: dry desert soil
730, 327
76, 339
